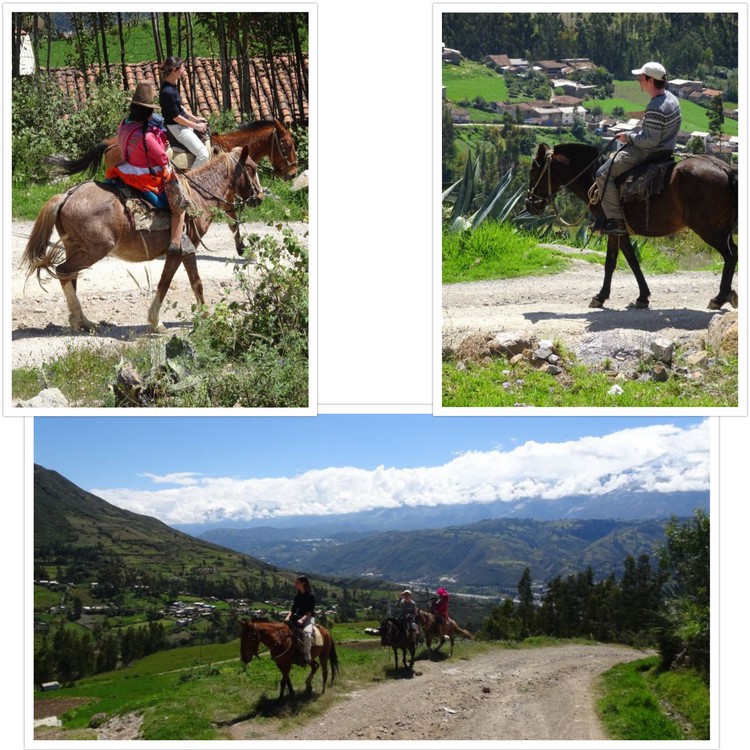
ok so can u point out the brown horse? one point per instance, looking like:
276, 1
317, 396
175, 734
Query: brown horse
700, 193
433, 629
285, 652
264, 139
391, 634
92, 223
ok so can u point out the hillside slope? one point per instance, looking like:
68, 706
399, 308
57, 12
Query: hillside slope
72, 527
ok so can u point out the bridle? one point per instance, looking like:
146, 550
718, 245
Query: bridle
277, 145
255, 642
238, 203
541, 201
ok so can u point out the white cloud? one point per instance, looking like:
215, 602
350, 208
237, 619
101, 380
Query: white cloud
658, 458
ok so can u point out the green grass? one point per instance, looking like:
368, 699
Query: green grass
499, 384
471, 79
496, 251
635, 696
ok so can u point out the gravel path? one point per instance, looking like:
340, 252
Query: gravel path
116, 292
556, 306
535, 694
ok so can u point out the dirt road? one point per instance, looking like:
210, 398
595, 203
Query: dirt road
116, 292
535, 694
556, 306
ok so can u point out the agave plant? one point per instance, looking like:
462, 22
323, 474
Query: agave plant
493, 206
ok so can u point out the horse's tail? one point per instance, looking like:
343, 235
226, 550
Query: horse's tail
734, 192
39, 254
461, 631
90, 161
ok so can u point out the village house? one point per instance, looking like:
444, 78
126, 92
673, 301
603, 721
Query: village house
683, 88
570, 114
573, 88
704, 96
498, 61
551, 67
451, 56
460, 116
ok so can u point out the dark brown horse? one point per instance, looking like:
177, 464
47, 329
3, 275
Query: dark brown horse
92, 223
700, 193
398, 638
264, 139
433, 629
285, 652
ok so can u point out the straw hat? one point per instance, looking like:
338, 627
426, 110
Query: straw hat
145, 93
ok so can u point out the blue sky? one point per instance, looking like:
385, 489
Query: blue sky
185, 469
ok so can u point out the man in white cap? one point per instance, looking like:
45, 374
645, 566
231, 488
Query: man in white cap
661, 123
406, 612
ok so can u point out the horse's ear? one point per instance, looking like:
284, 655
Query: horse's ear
245, 153
541, 153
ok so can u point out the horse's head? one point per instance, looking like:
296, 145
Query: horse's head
540, 191
283, 155
247, 183
249, 641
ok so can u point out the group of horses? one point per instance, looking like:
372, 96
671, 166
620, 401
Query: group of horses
92, 222
401, 637
285, 650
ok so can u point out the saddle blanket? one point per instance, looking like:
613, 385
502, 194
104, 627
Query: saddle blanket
317, 636
143, 215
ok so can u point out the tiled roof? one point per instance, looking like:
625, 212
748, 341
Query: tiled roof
208, 85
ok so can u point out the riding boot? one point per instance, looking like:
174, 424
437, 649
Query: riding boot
614, 226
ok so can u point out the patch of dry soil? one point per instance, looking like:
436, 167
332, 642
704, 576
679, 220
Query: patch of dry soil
535, 694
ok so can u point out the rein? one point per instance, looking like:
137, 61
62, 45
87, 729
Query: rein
276, 142
207, 193
551, 195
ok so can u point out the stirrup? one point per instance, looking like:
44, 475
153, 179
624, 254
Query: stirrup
593, 195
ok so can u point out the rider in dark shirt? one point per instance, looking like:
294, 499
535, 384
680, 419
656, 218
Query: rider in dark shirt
302, 614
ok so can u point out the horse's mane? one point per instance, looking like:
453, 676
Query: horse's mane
256, 125
576, 150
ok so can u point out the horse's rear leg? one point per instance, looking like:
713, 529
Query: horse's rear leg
309, 680
727, 248
78, 321
171, 265
644, 293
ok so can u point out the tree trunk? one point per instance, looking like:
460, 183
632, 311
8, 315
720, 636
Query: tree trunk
157, 38
16, 51
125, 86
105, 51
49, 41
300, 69
226, 100
168, 34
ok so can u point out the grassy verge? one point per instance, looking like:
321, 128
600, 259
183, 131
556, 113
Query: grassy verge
496, 251
472, 79
639, 703
499, 384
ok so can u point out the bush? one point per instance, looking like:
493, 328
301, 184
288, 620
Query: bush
46, 121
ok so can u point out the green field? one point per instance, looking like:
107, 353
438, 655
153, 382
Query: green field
470, 79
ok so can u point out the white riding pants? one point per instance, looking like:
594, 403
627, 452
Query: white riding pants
190, 140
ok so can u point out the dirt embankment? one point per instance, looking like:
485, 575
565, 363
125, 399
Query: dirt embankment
536, 694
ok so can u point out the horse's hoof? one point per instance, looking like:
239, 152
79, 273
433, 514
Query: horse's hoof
596, 303
733, 300
638, 305
158, 328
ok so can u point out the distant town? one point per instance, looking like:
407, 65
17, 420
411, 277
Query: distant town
565, 107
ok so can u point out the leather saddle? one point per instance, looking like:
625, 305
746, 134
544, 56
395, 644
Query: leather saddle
647, 179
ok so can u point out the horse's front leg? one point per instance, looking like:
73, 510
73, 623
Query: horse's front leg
610, 263
171, 265
191, 266
232, 214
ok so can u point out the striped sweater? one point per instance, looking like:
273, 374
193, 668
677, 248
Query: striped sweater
661, 123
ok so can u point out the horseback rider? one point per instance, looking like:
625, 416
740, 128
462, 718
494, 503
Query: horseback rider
439, 608
661, 123
145, 166
406, 612
180, 123
302, 615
